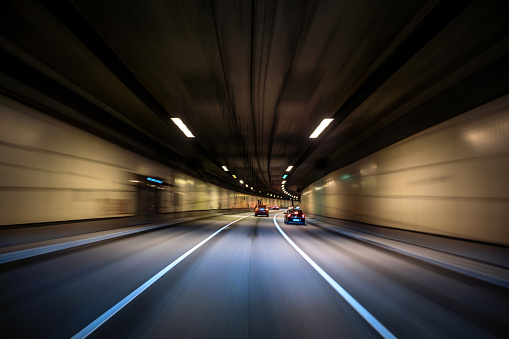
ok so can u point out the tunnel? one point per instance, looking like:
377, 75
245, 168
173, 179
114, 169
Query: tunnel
254, 169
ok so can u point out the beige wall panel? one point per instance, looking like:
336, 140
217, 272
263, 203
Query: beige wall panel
451, 179
50, 171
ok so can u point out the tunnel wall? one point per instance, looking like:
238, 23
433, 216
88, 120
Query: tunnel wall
51, 171
451, 180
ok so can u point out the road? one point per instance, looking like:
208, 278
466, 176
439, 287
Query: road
238, 276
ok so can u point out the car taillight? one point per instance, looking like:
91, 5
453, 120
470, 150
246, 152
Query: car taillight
289, 215
303, 215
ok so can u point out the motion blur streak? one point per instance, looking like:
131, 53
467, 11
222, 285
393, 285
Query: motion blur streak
112, 311
385, 333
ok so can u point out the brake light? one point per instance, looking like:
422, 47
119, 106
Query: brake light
303, 215
289, 215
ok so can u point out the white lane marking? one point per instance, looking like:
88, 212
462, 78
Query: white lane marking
384, 332
32, 252
112, 311
475, 272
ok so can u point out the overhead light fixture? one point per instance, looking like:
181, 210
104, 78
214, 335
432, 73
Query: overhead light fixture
234, 176
320, 128
183, 127
247, 185
284, 182
225, 168
284, 176
241, 181
289, 168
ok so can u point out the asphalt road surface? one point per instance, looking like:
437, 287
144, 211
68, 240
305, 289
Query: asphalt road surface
238, 276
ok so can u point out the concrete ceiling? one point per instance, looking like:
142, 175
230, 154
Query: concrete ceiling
253, 79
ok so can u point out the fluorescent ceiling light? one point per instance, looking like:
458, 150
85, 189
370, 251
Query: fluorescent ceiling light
320, 128
284, 182
225, 168
284, 176
289, 168
234, 176
183, 127
241, 181
247, 185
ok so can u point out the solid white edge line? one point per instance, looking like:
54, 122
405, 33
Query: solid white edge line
32, 252
112, 311
462, 270
384, 332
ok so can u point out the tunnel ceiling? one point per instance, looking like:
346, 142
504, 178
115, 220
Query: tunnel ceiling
253, 79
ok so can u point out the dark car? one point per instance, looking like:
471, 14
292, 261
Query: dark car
276, 207
261, 210
295, 215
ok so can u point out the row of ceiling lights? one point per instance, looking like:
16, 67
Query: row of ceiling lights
252, 189
284, 190
314, 135
284, 182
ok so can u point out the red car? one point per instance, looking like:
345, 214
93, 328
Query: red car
261, 210
295, 215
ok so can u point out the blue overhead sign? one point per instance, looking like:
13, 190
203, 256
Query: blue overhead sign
154, 180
